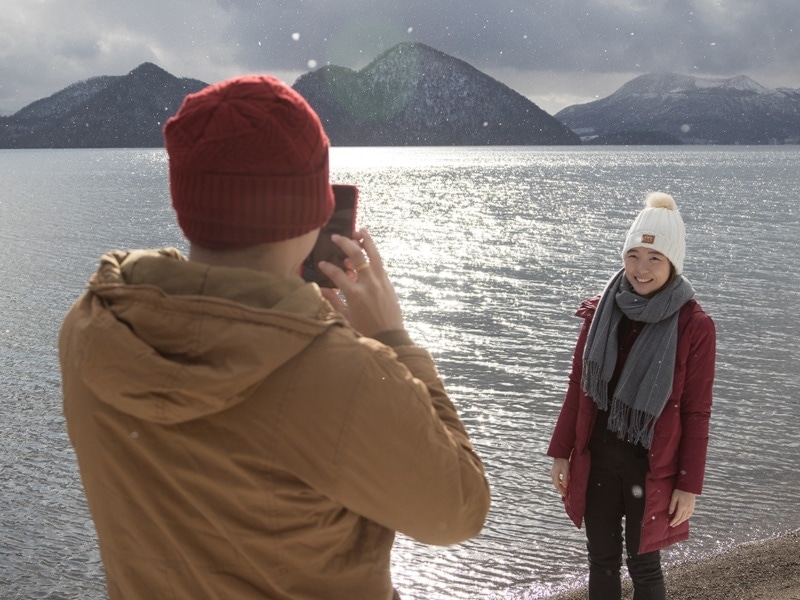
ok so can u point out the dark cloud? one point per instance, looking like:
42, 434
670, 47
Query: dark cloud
583, 47
712, 37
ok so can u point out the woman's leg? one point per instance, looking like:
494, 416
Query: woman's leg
603, 520
648, 580
644, 569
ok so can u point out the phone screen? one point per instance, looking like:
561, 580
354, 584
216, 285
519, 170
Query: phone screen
343, 222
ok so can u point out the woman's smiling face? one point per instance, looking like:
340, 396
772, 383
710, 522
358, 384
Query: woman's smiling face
647, 270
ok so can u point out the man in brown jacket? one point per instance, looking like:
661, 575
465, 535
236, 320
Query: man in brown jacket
239, 433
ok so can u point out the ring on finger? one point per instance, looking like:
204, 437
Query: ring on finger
362, 266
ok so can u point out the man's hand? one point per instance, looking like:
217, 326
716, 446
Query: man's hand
370, 303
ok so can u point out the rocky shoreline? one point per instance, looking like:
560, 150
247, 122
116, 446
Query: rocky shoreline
764, 570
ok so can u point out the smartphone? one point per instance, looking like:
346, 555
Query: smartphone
343, 222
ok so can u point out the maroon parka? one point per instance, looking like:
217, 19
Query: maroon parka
678, 452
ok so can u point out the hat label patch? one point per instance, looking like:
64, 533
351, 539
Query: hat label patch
648, 238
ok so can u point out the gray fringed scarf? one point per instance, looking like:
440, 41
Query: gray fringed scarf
646, 379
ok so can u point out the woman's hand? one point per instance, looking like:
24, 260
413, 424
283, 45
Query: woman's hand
370, 303
560, 475
681, 507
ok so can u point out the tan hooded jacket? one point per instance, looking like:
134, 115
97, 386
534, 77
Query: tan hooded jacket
237, 439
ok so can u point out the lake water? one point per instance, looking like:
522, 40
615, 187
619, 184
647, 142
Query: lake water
491, 250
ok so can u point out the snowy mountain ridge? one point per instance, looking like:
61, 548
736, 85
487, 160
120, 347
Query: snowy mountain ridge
62, 102
695, 110
413, 94
674, 83
119, 111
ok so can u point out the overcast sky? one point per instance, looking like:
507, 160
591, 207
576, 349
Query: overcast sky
555, 52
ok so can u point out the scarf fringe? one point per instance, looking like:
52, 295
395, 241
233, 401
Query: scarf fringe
634, 426
593, 385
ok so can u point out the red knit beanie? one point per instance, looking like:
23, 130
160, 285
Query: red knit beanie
248, 164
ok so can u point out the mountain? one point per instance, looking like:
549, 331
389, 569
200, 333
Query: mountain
410, 95
126, 111
414, 95
693, 109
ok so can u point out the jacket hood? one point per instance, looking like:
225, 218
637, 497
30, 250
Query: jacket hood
168, 340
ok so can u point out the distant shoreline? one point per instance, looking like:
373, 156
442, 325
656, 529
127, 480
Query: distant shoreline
768, 569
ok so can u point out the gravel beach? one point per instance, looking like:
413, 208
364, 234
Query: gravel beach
763, 570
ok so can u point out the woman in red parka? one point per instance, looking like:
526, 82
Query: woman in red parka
630, 441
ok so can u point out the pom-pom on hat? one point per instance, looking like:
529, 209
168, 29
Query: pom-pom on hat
660, 227
248, 164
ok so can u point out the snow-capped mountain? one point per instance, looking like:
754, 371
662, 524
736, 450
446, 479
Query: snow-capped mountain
415, 95
125, 111
411, 94
694, 109
60, 103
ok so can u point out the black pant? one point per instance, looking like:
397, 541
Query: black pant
616, 490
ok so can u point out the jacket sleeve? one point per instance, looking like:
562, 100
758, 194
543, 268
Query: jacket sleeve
405, 460
696, 403
562, 442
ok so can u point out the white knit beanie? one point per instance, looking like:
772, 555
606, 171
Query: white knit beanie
659, 226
